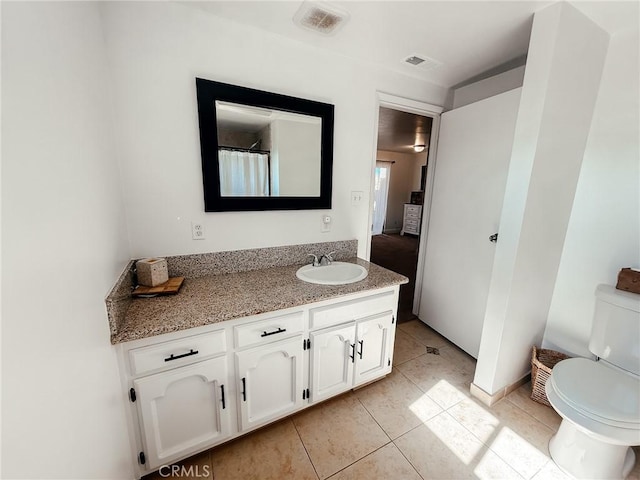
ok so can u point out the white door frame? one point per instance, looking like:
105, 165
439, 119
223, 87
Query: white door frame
426, 110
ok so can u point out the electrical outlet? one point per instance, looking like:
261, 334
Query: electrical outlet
356, 197
197, 231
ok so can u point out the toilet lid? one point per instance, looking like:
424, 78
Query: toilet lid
599, 391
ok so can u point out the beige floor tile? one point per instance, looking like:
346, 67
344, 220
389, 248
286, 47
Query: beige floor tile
422, 333
518, 452
442, 448
462, 359
337, 433
192, 468
550, 471
385, 463
274, 452
516, 437
406, 348
547, 415
446, 382
397, 404
477, 418
534, 432
491, 466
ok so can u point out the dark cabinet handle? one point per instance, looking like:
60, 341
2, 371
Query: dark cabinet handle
224, 405
493, 238
361, 342
280, 330
176, 357
353, 353
244, 389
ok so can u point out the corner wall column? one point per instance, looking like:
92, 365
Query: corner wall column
562, 78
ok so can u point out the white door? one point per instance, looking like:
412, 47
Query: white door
332, 359
380, 192
182, 410
270, 381
374, 342
474, 150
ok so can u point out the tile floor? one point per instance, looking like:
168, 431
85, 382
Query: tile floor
419, 422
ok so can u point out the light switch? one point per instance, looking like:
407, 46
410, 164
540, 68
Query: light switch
326, 223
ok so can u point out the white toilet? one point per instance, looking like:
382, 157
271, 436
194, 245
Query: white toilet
599, 401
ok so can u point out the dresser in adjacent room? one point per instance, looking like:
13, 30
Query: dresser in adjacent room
411, 219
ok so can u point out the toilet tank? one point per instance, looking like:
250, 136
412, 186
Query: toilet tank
615, 333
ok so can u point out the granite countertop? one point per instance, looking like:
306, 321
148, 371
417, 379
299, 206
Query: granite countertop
216, 298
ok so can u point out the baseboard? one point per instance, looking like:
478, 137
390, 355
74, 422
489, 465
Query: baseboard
391, 231
491, 399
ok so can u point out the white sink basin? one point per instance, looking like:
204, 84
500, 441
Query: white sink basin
337, 273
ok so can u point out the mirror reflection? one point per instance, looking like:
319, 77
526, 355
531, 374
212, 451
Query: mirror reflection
264, 152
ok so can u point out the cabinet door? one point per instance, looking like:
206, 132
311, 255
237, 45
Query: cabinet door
183, 410
332, 356
270, 381
374, 339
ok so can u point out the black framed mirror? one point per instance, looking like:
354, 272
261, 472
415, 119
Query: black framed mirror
262, 150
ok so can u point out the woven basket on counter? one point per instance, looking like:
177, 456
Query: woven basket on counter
542, 361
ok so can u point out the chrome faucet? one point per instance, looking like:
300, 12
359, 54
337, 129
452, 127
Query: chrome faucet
327, 258
315, 261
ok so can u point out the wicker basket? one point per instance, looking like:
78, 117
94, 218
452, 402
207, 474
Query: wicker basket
542, 361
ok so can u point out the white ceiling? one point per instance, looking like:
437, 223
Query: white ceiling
468, 37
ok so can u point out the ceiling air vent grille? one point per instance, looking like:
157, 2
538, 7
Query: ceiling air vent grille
422, 61
320, 17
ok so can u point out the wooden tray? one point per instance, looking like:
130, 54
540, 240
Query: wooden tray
170, 287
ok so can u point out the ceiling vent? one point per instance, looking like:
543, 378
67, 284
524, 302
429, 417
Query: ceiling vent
422, 61
320, 17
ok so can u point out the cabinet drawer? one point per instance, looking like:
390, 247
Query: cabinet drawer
346, 311
264, 331
413, 210
177, 352
411, 223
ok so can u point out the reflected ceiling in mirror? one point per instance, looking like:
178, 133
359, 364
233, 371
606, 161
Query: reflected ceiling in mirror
263, 151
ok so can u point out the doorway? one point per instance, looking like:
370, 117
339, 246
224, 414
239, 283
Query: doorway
401, 189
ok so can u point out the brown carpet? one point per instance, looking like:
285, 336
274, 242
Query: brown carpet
400, 254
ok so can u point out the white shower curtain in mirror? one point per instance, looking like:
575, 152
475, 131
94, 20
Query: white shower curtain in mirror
381, 191
243, 174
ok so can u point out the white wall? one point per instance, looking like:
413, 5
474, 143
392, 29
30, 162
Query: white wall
63, 246
604, 229
297, 146
156, 50
488, 87
405, 178
562, 78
